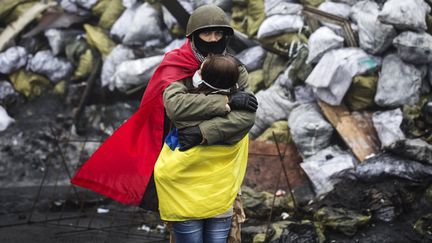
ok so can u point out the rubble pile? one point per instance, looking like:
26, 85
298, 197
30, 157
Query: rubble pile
349, 82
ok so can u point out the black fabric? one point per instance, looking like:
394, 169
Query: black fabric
189, 137
243, 101
204, 47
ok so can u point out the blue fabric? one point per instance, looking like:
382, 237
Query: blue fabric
212, 230
172, 139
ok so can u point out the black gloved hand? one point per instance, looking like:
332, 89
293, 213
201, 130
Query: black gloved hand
242, 100
189, 137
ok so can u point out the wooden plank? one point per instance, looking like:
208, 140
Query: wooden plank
17, 26
356, 129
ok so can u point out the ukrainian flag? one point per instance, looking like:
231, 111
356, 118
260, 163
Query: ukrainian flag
201, 182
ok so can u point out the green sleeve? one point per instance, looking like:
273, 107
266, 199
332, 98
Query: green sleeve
183, 106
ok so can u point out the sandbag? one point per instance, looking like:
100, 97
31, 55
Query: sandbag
405, 91
280, 24
223, 4
97, 37
280, 131
300, 70
273, 65
252, 58
256, 80
249, 16
407, 14
58, 39
387, 124
333, 74
135, 72
29, 84
360, 95
8, 5
13, 59
321, 41
54, 68
304, 94
71, 6
118, 55
323, 165
18, 11
414, 47
385, 165
176, 43
313, 3
113, 11
309, 129
5, 119
338, 9
374, 37
343, 220
286, 45
415, 149
275, 103
281, 7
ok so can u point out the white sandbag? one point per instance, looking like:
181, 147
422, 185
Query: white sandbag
387, 125
338, 9
223, 4
121, 26
399, 83
349, 2
138, 24
414, 47
12, 59
321, 41
135, 72
187, 5
304, 94
374, 36
177, 43
118, 55
54, 68
252, 58
6, 90
282, 7
275, 104
406, 14
309, 129
71, 6
321, 167
333, 74
129, 3
87, 4
279, 24
58, 39
5, 119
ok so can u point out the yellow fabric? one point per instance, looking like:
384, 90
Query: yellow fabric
201, 182
96, 36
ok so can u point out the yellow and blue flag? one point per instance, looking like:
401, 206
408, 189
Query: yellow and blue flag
201, 182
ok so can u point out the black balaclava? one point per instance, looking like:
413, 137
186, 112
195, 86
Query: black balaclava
204, 47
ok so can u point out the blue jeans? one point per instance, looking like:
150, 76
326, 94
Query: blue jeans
213, 230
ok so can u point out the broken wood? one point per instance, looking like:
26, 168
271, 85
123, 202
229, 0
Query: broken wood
356, 129
17, 26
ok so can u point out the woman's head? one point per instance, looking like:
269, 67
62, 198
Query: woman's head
220, 71
209, 29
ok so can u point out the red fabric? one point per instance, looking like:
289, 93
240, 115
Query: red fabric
122, 166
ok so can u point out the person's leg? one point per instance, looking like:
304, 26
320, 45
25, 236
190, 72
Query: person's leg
216, 230
190, 231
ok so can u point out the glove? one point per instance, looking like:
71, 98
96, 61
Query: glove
189, 137
243, 101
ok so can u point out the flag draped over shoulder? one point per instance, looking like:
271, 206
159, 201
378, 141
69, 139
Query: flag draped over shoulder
201, 182
122, 166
